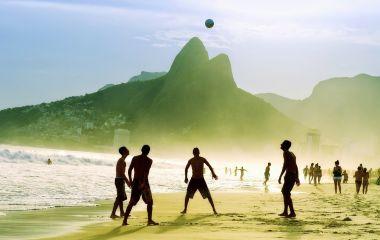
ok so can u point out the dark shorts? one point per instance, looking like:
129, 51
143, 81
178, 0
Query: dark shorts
139, 191
289, 181
200, 185
120, 188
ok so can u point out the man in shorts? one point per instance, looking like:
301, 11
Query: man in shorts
140, 185
197, 181
291, 178
120, 181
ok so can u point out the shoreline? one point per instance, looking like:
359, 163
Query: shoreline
242, 215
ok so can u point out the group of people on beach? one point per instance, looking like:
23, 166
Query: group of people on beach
140, 188
314, 172
362, 179
241, 171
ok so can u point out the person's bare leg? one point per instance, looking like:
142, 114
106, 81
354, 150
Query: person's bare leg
340, 187
115, 205
212, 204
127, 212
285, 212
186, 203
121, 207
335, 186
149, 209
291, 209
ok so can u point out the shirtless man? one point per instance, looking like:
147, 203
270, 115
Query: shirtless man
120, 181
140, 185
197, 181
267, 174
291, 178
311, 172
365, 180
358, 179
242, 170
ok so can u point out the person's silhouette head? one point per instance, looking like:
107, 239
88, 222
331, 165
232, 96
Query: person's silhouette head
269, 164
123, 151
196, 152
312, 164
365, 170
337, 163
285, 145
145, 150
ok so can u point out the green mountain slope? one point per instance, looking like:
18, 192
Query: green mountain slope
342, 108
196, 103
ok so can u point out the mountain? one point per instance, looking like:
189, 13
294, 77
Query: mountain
345, 109
196, 103
145, 76
106, 86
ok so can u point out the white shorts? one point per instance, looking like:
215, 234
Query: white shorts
337, 178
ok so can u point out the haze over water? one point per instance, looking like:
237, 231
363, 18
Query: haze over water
80, 178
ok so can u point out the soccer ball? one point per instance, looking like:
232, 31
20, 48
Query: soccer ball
209, 23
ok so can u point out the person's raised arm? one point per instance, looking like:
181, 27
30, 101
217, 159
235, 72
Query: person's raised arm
186, 169
211, 169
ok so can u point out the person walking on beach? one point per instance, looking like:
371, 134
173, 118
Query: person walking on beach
242, 170
365, 180
140, 184
267, 174
311, 173
120, 181
291, 178
358, 179
197, 181
319, 174
345, 176
315, 174
235, 172
337, 176
305, 172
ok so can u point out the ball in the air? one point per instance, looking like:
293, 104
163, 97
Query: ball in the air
209, 23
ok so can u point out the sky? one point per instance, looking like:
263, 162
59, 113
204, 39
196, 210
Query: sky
50, 50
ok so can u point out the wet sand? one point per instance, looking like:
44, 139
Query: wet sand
245, 215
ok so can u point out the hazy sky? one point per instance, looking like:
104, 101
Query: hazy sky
53, 49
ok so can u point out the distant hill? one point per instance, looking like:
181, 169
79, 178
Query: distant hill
106, 86
145, 76
196, 103
346, 109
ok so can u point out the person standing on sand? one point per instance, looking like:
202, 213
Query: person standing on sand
365, 180
315, 174
120, 181
311, 173
197, 181
140, 185
345, 176
267, 174
358, 179
291, 178
305, 172
337, 176
235, 172
319, 174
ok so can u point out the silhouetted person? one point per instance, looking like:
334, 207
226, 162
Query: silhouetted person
319, 174
140, 184
315, 174
242, 170
305, 172
267, 173
235, 172
311, 173
225, 170
358, 179
120, 181
49, 162
291, 178
337, 176
365, 180
197, 181
378, 177
345, 176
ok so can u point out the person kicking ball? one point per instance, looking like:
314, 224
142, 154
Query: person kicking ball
197, 181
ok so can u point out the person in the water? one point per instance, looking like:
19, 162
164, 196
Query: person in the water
267, 174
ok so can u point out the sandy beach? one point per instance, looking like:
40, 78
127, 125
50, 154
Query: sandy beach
243, 215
